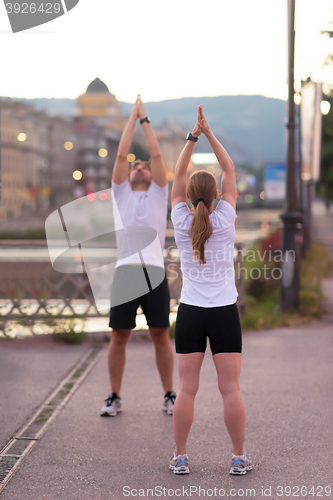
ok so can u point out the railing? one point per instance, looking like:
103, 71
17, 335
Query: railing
32, 291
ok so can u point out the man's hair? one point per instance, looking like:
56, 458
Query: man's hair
138, 162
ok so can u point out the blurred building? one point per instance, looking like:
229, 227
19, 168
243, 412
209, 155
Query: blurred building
96, 154
37, 160
19, 160
99, 105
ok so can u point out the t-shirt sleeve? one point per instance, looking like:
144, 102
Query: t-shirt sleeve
121, 191
226, 210
180, 215
161, 192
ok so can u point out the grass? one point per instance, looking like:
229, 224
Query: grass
264, 312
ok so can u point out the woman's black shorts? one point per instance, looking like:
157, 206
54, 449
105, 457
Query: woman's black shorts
220, 324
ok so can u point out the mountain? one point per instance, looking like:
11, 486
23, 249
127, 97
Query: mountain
251, 127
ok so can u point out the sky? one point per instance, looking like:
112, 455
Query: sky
166, 50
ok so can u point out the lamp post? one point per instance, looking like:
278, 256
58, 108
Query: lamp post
291, 217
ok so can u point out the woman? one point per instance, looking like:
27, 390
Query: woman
205, 239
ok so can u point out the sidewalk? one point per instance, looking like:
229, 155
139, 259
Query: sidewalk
286, 385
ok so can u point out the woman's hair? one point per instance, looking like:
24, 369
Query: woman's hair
201, 184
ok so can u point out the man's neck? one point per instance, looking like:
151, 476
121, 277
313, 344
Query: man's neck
139, 187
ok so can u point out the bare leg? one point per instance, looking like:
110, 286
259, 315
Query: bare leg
164, 356
117, 357
228, 367
189, 366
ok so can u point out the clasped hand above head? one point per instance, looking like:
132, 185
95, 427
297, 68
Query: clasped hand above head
138, 110
202, 125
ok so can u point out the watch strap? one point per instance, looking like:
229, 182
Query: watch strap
144, 120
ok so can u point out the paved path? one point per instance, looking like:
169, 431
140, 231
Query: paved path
286, 384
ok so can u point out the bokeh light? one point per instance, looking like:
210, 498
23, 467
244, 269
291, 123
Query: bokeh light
91, 196
68, 145
103, 196
262, 195
169, 175
248, 198
103, 152
77, 175
22, 137
325, 107
131, 157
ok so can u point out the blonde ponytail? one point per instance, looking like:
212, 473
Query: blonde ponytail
201, 186
201, 230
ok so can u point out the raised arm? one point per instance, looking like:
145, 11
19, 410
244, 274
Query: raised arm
178, 193
158, 171
228, 183
120, 169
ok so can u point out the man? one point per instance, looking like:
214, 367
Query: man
141, 196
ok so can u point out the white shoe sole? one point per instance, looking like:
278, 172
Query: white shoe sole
240, 472
183, 470
169, 412
107, 414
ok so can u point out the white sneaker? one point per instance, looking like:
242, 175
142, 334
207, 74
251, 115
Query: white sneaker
240, 465
169, 401
179, 465
112, 407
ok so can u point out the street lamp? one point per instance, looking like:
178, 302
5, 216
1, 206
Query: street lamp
291, 217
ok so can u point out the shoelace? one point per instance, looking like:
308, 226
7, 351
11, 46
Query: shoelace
171, 396
237, 462
180, 461
110, 399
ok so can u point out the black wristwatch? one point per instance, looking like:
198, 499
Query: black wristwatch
144, 120
191, 137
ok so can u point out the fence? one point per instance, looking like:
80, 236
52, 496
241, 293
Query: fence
32, 291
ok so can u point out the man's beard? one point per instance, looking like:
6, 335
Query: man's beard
137, 181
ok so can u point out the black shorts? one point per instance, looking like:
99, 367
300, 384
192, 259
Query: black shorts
155, 304
220, 324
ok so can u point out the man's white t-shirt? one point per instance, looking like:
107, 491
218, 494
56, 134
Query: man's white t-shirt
211, 284
142, 208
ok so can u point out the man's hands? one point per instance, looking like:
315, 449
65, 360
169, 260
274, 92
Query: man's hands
203, 122
141, 108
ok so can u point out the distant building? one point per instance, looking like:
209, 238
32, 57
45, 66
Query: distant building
96, 154
37, 160
99, 105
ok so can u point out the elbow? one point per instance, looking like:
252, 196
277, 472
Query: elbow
121, 156
156, 155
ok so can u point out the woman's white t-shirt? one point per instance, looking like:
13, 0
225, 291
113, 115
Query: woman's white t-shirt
211, 284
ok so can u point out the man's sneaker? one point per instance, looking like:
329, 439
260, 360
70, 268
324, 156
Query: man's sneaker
169, 401
179, 465
240, 466
112, 407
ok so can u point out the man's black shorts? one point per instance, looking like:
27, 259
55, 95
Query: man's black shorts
220, 324
155, 304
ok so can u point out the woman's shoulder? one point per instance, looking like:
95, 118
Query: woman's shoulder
181, 215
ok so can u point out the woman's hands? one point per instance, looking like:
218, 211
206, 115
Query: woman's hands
197, 127
203, 122
142, 112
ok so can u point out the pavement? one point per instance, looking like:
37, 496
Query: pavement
286, 385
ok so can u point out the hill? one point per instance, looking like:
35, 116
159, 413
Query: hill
251, 127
